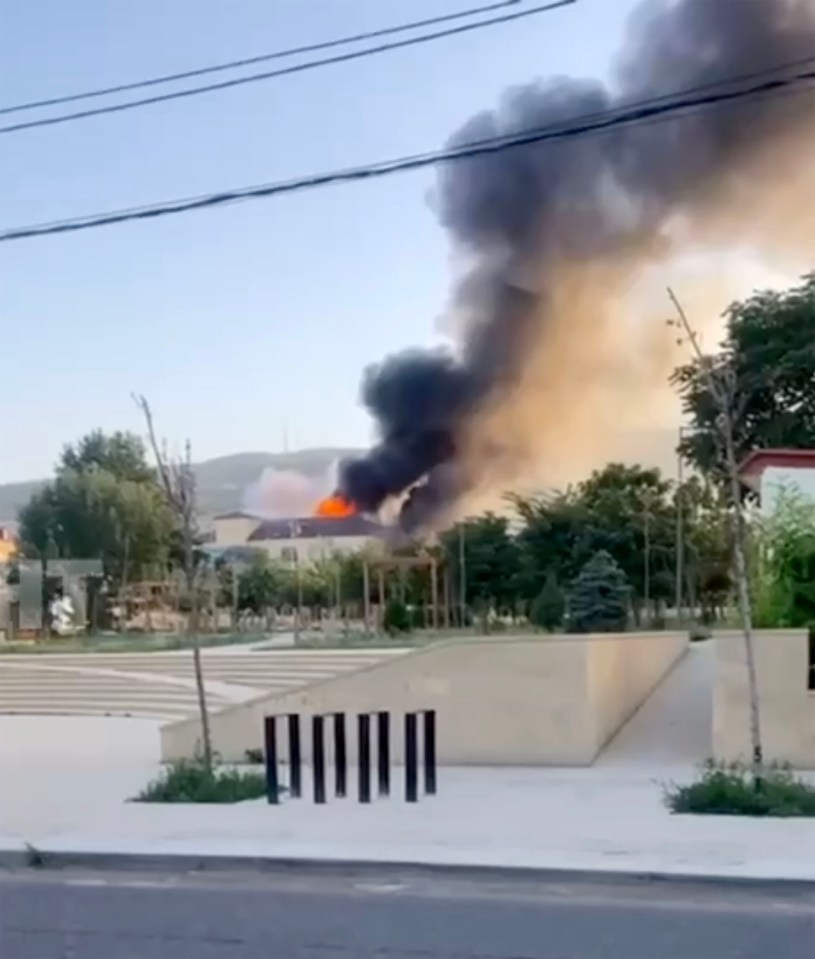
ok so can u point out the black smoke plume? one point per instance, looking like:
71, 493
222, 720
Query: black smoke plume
526, 218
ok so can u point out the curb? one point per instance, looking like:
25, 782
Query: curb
42, 861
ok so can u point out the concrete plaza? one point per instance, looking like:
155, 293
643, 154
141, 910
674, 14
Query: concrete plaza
64, 785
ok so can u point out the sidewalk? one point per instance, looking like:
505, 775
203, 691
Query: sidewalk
63, 785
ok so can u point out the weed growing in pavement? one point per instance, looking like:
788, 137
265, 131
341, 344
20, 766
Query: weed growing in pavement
732, 790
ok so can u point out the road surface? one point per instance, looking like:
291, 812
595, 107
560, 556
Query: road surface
84, 915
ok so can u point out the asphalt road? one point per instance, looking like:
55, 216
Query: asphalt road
84, 915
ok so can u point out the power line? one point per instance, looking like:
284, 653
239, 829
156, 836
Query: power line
263, 57
627, 117
287, 71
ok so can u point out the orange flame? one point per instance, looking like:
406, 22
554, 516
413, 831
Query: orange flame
335, 507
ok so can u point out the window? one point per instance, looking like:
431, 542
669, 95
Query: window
288, 554
811, 659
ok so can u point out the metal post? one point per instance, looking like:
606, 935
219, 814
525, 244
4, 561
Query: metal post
364, 756
383, 752
295, 757
318, 757
340, 755
366, 596
462, 572
270, 756
680, 534
411, 759
429, 719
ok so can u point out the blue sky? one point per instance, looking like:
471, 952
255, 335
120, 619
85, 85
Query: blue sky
238, 321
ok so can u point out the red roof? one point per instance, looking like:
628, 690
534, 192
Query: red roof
754, 464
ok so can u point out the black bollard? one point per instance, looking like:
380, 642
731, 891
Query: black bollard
383, 753
364, 756
340, 755
318, 757
411, 759
429, 719
295, 757
270, 758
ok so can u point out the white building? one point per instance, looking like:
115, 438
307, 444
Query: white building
304, 539
769, 472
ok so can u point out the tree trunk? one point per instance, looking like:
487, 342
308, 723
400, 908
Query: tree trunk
200, 688
745, 606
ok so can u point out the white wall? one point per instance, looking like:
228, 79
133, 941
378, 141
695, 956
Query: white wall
787, 706
774, 479
509, 701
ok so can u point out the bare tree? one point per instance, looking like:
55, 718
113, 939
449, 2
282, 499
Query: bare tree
177, 481
722, 386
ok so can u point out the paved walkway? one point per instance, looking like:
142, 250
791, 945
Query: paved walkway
63, 786
161, 685
674, 725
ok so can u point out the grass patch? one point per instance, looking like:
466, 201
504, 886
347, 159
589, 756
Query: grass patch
189, 781
730, 790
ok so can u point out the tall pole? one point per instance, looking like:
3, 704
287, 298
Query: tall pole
462, 572
647, 561
680, 532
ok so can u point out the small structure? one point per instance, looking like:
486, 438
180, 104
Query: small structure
767, 472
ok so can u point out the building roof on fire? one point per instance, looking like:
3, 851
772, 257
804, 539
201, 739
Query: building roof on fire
314, 527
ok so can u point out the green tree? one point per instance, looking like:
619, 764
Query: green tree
785, 575
261, 586
598, 601
630, 514
90, 512
769, 355
549, 606
483, 555
123, 455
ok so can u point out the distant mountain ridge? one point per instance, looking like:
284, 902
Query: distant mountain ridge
222, 481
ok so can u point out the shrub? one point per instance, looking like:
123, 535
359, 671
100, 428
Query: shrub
397, 618
549, 606
189, 780
730, 790
599, 597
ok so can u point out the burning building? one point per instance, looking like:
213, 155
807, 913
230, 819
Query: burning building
306, 539
553, 235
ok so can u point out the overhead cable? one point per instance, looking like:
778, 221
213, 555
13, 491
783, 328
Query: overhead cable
286, 71
803, 81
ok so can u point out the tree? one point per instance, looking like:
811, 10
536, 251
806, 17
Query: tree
598, 601
121, 454
104, 503
708, 580
260, 586
786, 563
630, 515
177, 481
484, 558
549, 606
626, 511
769, 354
730, 396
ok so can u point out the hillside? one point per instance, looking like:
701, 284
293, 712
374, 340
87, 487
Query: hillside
221, 481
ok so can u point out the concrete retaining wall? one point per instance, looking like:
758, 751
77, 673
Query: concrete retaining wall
787, 706
553, 700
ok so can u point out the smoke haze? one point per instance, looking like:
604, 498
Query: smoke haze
554, 237
280, 494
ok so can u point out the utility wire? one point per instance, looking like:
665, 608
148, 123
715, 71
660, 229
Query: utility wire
286, 71
263, 57
621, 118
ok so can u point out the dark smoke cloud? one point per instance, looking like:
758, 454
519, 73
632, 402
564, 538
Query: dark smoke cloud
526, 218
